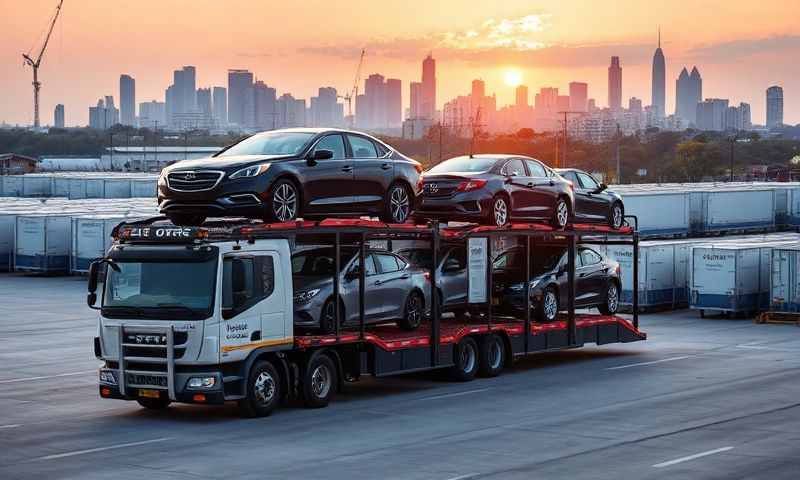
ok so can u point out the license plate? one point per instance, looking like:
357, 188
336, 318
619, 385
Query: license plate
149, 380
149, 393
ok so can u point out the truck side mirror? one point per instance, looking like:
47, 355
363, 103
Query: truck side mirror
92, 287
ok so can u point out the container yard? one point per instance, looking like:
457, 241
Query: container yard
76, 185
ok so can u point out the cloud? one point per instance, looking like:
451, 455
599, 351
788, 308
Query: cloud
494, 42
739, 49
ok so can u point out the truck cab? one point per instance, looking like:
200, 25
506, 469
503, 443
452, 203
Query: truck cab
179, 317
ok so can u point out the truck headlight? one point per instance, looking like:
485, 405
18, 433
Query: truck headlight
202, 382
305, 296
107, 377
251, 171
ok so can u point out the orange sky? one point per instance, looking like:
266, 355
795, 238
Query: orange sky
740, 47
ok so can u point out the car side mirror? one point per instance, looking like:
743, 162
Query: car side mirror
601, 188
353, 274
321, 154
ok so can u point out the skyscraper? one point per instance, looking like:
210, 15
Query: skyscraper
264, 111
688, 93
415, 100
712, 114
428, 88
521, 96
220, 106
127, 100
58, 116
394, 103
774, 106
578, 96
239, 82
324, 109
659, 80
615, 85
152, 114
204, 101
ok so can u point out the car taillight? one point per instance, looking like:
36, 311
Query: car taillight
470, 185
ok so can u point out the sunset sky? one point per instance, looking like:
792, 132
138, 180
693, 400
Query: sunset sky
740, 47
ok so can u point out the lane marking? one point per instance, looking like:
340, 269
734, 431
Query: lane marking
464, 477
3, 427
762, 347
45, 377
692, 457
102, 449
671, 359
456, 394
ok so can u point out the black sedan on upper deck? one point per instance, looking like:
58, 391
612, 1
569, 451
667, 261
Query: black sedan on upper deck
495, 189
282, 175
594, 202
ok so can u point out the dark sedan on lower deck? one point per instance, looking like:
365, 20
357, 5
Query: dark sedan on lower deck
496, 190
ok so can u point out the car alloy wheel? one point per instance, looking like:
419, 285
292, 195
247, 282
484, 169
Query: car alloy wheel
616, 216
284, 202
612, 299
562, 213
500, 210
550, 306
399, 204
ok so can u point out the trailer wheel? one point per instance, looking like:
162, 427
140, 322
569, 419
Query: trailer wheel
492, 356
154, 403
466, 366
263, 390
319, 382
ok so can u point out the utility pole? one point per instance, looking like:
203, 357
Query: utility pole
616, 154
566, 135
733, 144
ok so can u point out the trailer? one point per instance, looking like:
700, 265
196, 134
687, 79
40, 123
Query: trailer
234, 346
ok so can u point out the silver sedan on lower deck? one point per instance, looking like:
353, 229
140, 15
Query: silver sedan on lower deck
395, 290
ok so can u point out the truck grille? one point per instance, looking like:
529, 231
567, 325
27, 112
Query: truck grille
194, 180
147, 357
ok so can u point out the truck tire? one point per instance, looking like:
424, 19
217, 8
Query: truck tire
319, 382
263, 390
610, 303
466, 358
412, 312
154, 403
492, 356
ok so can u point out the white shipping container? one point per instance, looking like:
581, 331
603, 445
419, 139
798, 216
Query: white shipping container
719, 211
36, 185
95, 187
729, 278
143, 188
91, 239
659, 213
658, 271
42, 243
785, 280
8, 223
60, 186
77, 188
12, 185
117, 188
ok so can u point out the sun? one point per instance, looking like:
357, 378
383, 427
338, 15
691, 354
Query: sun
513, 77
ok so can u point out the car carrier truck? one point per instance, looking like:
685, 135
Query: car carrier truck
204, 314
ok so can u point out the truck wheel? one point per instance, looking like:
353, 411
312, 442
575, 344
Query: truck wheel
263, 390
319, 383
466, 366
547, 310
185, 220
492, 356
154, 403
611, 303
413, 312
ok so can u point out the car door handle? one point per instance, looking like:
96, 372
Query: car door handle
347, 169
386, 166
378, 282
530, 184
405, 277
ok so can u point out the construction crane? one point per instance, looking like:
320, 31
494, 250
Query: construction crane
353, 93
36, 63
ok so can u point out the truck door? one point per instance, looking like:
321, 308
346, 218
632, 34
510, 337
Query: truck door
253, 306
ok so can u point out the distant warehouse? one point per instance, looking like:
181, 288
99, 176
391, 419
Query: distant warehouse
15, 164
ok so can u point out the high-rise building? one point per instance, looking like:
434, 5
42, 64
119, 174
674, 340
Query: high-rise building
380, 107
521, 96
152, 114
220, 106
104, 115
324, 109
58, 116
578, 96
774, 106
291, 111
127, 100
562, 104
428, 103
181, 98
394, 103
415, 100
659, 85
688, 93
240, 82
615, 85
204, 103
264, 107
635, 105
591, 105
478, 90
712, 114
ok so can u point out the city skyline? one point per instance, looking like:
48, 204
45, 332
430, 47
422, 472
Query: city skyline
481, 43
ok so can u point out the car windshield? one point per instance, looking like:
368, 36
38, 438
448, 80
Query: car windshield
319, 262
270, 143
161, 289
465, 165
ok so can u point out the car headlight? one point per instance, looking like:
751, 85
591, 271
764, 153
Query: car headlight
107, 377
520, 287
305, 296
250, 171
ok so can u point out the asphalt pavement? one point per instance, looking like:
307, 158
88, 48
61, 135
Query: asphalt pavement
702, 398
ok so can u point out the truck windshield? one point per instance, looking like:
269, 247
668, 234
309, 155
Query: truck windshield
167, 290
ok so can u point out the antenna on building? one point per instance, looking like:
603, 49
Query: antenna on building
659, 36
